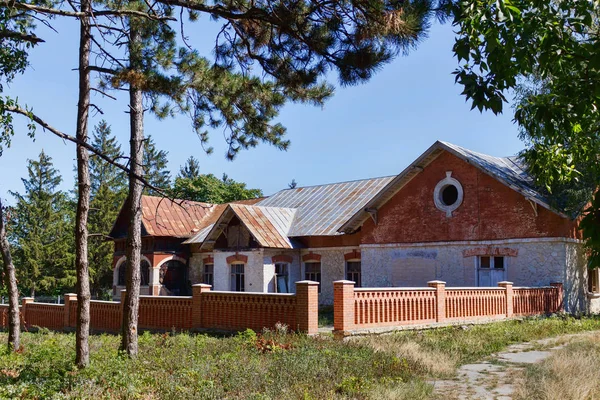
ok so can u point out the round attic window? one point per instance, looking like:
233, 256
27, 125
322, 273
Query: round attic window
448, 194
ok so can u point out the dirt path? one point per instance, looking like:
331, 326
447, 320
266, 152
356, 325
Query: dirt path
495, 378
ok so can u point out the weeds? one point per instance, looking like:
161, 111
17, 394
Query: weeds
269, 365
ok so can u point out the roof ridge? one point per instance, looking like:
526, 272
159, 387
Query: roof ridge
334, 183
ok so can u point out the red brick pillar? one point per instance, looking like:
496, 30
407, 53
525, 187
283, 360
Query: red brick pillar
440, 297
307, 306
197, 291
508, 287
24, 302
69, 297
560, 306
343, 306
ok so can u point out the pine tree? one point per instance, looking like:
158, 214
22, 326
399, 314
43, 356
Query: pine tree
155, 167
109, 190
41, 228
190, 170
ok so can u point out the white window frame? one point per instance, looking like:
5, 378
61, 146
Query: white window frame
212, 274
478, 266
287, 277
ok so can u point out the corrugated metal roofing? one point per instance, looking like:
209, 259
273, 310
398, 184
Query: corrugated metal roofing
179, 218
268, 225
323, 209
509, 170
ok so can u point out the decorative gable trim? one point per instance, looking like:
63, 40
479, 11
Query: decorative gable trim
282, 258
237, 259
311, 257
354, 255
490, 251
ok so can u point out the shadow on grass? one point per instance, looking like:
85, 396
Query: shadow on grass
326, 317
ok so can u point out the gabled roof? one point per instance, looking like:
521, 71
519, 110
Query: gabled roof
179, 218
269, 226
323, 209
508, 170
164, 217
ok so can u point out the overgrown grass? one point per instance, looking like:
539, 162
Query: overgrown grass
568, 374
268, 366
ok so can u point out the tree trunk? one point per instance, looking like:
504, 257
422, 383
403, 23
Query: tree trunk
14, 323
82, 350
129, 340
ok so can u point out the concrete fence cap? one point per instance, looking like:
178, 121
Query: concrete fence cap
504, 283
437, 282
203, 285
345, 282
310, 283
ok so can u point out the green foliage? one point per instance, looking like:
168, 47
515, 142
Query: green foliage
210, 189
549, 51
190, 170
16, 39
41, 229
155, 167
109, 190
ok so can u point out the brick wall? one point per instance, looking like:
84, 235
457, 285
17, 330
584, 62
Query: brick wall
489, 211
357, 309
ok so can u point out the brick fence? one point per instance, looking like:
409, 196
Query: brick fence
204, 310
364, 309
355, 309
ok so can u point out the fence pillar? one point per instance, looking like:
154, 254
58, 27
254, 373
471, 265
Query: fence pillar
69, 297
343, 306
508, 287
24, 302
197, 291
440, 297
307, 306
560, 306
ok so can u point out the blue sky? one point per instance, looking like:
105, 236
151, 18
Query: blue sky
375, 129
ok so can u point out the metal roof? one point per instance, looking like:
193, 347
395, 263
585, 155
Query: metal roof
179, 218
323, 209
269, 226
508, 170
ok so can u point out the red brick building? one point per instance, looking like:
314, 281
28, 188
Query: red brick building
454, 215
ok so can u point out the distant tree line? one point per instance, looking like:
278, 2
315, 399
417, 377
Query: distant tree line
41, 222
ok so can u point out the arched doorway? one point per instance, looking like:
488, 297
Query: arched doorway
173, 275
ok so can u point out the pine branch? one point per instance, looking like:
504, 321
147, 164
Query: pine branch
103, 70
64, 136
79, 14
20, 36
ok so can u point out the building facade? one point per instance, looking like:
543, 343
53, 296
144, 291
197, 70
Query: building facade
453, 215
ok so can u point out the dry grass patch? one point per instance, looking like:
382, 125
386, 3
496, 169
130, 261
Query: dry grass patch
419, 358
569, 374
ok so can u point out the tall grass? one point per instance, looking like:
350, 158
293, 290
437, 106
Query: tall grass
273, 365
568, 374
